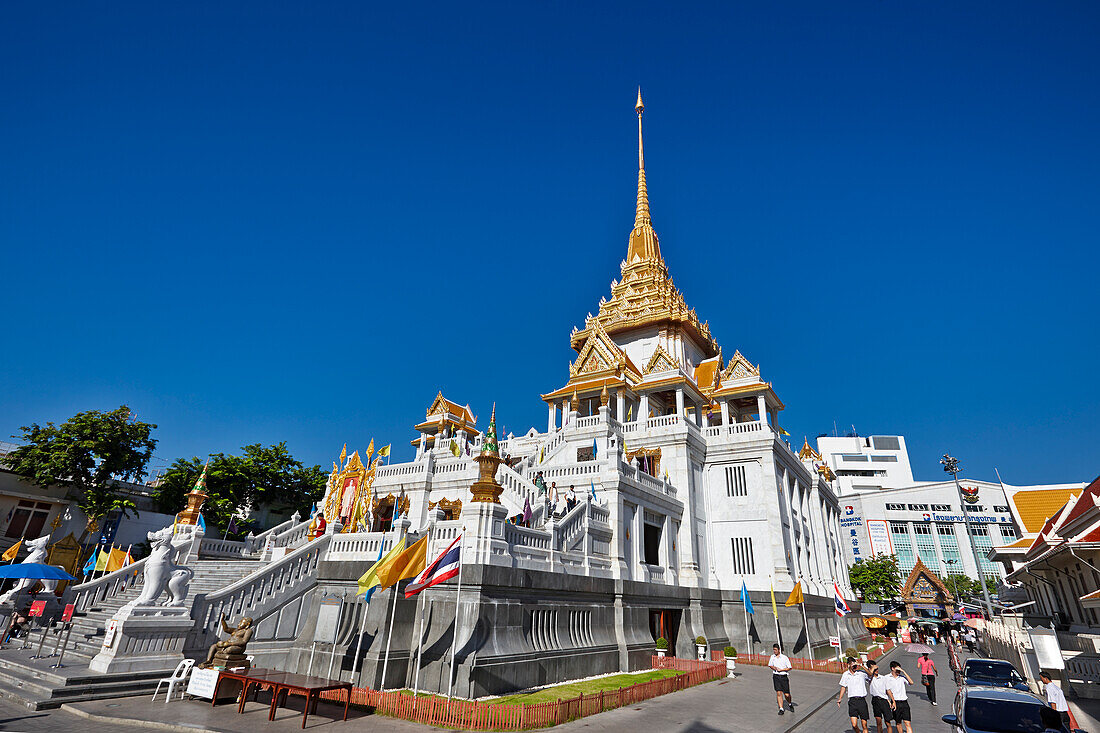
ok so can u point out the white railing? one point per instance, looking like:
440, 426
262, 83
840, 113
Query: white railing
459, 464
654, 573
585, 468
645, 480
588, 422
213, 547
261, 538
91, 594
293, 537
401, 469
360, 545
629, 427
260, 593
662, 421
520, 486
526, 537
737, 428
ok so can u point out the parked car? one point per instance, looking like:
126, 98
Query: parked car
1004, 710
992, 673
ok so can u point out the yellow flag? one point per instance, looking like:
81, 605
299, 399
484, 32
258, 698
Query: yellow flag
116, 560
369, 579
383, 451
454, 448
101, 561
9, 554
408, 564
774, 609
796, 595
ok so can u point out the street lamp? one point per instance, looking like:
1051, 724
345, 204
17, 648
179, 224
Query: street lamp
954, 580
951, 466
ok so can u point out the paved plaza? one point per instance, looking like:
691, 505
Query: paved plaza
742, 705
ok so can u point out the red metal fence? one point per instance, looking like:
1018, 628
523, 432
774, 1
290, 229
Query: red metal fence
495, 716
812, 665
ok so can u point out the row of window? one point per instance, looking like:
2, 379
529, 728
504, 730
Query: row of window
860, 458
942, 508
948, 561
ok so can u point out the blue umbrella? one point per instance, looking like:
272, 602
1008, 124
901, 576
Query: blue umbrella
34, 571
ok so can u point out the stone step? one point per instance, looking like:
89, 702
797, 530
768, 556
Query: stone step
31, 683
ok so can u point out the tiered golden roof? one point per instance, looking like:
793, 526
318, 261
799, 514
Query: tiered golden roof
646, 294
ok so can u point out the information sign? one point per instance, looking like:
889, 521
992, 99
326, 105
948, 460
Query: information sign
328, 618
1048, 653
37, 609
202, 682
109, 635
834, 641
67, 614
878, 532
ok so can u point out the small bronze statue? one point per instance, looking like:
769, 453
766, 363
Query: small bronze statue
230, 653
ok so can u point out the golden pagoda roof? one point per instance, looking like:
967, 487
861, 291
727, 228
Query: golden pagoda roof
646, 295
441, 406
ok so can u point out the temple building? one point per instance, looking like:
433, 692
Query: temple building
681, 444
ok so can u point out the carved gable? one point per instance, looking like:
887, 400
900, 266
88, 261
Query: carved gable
660, 362
739, 368
599, 354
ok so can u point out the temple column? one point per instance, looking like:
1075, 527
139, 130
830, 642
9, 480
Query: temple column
725, 412
620, 406
552, 423
699, 414
643, 408
761, 409
680, 401
564, 412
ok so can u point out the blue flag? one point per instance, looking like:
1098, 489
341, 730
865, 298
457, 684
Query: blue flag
745, 597
592, 488
594, 450
202, 524
373, 588
89, 566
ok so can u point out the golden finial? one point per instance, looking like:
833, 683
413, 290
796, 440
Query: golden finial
574, 402
639, 107
604, 396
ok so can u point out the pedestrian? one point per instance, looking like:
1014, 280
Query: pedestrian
854, 682
781, 679
1056, 698
570, 498
955, 635
928, 676
970, 641
880, 700
899, 696
554, 497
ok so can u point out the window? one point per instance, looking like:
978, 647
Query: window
886, 442
27, 519
736, 485
585, 454
903, 547
895, 507
918, 507
884, 459
982, 543
743, 563
1001, 509
974, 507
919, 529
651, 538
926, 547
856, 457
941, 507
1008, 533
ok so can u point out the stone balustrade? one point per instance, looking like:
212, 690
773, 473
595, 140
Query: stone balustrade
92, 593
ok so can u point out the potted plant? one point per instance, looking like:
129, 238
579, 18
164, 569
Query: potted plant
662, 646
731, 660
701, 648
862, 651
850, 653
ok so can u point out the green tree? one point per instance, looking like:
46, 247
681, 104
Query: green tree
877, 578
267, 476
88, 453
963, 586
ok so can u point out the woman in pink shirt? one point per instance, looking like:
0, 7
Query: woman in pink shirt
928, 676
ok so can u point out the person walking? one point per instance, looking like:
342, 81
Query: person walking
570, 498
880, 700
1056, 698
854, 682
899, 696
928, 676
781, 679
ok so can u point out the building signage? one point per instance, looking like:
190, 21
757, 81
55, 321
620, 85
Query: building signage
834, 641
878, 532
202, 683
37, 609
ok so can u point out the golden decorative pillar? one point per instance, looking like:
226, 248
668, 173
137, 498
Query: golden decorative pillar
486, 489
195, 499
604, 397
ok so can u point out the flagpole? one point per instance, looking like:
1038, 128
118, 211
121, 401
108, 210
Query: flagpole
393, 613
806, 621
454, 637
420, 636
359, 644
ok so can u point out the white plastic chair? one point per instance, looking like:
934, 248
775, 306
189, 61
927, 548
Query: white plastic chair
179, 677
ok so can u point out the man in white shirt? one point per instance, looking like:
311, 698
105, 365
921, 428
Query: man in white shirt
899, 696
854, 682
1056, 697
880, 701
781, 678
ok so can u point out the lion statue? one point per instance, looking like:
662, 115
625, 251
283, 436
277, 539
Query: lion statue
162, 574
38, 552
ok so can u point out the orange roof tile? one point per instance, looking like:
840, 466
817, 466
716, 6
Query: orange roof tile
1035, 506
1085, 502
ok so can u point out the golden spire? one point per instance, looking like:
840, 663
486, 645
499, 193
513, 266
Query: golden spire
643, 240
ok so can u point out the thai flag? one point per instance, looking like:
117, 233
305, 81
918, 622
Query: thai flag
841, 607
443, 568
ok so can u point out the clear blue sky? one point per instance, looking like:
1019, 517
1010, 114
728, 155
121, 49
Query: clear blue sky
279, 221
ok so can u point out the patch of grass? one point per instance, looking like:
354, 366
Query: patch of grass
588, 687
